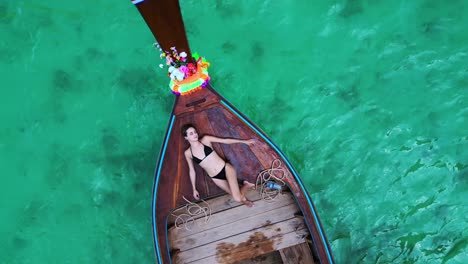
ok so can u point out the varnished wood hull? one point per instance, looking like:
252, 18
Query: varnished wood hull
213, 115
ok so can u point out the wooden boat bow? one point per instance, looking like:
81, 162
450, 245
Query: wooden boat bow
213, 115
164, 19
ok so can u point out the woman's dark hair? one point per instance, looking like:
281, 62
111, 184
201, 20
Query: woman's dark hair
185, 127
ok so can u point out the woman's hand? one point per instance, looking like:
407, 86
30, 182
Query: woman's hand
196, 195
250, 141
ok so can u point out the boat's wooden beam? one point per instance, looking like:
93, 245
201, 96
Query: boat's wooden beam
195, 102
270, 258
297, 254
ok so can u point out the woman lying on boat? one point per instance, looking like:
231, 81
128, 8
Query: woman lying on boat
222, 173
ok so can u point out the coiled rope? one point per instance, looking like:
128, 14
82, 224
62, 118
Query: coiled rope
274, 175
191, 211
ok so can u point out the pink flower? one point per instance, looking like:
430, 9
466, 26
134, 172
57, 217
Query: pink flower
184, 69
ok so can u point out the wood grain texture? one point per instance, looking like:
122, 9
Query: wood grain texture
210, 234
249, 244
297, 254
234, 219
270, 258
217, 120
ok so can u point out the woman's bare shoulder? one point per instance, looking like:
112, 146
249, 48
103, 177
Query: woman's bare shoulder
187, 152
207, 139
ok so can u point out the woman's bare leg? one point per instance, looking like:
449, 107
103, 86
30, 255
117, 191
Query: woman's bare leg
236, 193
247, 186
223, 185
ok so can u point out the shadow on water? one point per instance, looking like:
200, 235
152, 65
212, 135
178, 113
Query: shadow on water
115, 239
137, 81
63, 84
279, 106
135, 161
59, 166
109, 140
91, 56
349, 95
228, 47
191, 27
351, 8
256, 52
228, 9
460, 179
457, 248
6, 15
122, 189
58, 110
28, 219
117, 162
95, 54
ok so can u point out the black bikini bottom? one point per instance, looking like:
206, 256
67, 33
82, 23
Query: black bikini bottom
222, 176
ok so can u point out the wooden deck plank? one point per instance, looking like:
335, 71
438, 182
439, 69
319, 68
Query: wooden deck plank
252, 222
220, 203
297, 254
271, 258
249, 244
229, 216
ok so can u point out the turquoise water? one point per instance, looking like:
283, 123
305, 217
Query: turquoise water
366, 98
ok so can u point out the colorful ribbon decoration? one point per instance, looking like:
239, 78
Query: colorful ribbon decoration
192, 83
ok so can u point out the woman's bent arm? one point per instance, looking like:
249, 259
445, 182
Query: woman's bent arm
192, 175
228, 140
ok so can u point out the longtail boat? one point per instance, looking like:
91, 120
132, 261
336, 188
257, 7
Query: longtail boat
281, 227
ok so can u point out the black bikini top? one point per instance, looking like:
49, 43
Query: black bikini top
207, 151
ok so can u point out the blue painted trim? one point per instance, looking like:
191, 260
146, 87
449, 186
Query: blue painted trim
167, 239
155, 189
304, 190
136, 2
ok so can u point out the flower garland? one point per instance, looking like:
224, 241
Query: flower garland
186, 77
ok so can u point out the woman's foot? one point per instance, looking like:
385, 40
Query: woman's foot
248, 203
248, 185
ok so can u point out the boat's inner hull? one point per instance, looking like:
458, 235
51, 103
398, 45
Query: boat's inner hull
212, 115
220, 230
